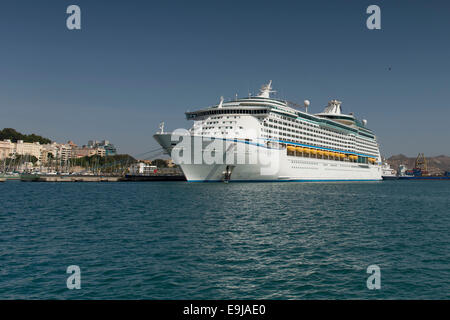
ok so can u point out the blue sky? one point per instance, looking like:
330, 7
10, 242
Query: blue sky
137, 63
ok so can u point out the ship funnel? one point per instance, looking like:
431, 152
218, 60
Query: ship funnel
266, 90
334, 107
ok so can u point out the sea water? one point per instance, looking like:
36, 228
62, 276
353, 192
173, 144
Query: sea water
178, 240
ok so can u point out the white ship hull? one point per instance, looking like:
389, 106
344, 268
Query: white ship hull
263, 139
281, 167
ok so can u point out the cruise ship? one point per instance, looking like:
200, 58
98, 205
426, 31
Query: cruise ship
259, 138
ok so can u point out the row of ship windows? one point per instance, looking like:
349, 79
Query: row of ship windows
227, 117
365, 146
325, 139
221, 127
226, 111
328, 145
329, 138
347, 148
271, 119
314, 143
347, 158
304, 126
224, 133
297, 121
308, 139
341, 143
217, 122
299, 139
344, 147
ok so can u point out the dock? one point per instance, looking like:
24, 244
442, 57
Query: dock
155, 177
424, 177
68, 178
99, 178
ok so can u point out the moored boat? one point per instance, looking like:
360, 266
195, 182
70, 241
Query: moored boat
388, 173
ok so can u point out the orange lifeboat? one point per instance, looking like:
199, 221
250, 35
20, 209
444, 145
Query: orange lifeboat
291, 148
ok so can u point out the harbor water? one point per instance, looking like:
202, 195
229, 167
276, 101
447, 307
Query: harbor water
178, 240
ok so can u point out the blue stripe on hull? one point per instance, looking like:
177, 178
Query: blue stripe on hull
351, 180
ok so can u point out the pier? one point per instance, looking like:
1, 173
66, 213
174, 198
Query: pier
155, 177
99, 178
68, 178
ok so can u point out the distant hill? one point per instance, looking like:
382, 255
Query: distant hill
13, 135
435, 164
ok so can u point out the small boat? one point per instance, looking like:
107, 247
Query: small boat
388, 173
29, 177
10, 176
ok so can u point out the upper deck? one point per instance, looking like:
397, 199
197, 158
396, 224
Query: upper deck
262, 105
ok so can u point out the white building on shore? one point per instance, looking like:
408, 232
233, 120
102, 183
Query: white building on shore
10, 149
6, 149
46, 152
26, 148
142, 168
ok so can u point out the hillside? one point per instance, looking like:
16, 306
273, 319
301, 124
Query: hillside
435, 164
13, 135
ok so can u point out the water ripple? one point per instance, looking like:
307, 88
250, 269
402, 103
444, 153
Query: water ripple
217, 241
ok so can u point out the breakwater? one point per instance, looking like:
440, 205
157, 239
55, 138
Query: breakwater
85, 178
